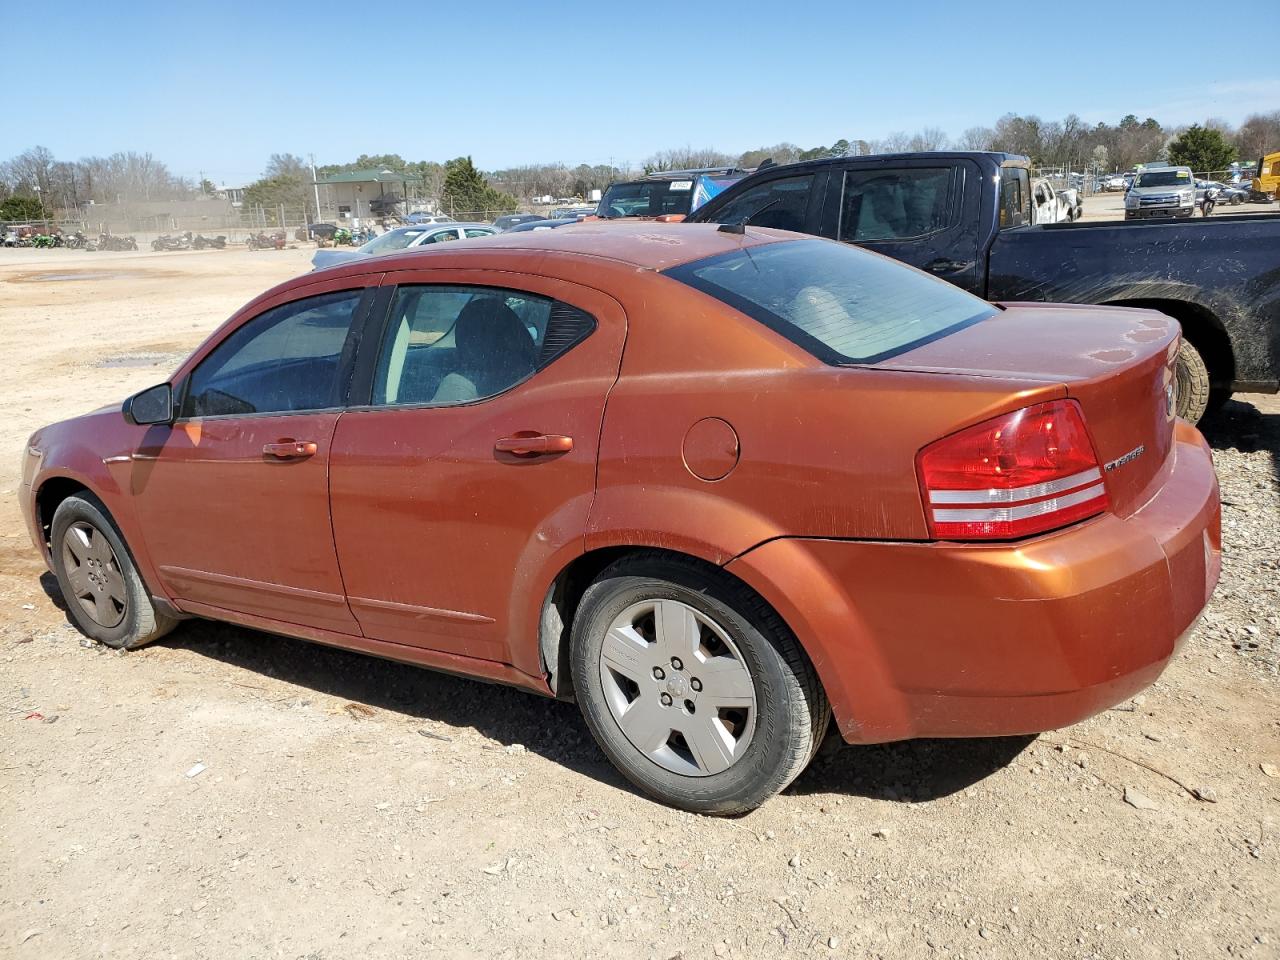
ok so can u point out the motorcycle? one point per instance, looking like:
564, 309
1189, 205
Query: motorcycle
265, 241
343, 237
107, 241
77, 241
214, 243
44, 241
167, 242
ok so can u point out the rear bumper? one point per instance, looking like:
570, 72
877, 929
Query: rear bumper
955, 640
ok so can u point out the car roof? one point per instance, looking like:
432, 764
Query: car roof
643, 245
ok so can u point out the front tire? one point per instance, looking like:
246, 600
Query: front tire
104, 593
693, 686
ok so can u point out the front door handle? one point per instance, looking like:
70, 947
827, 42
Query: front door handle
290, 449
944, 265
535, 445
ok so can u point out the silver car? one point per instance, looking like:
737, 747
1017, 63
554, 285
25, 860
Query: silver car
404, 238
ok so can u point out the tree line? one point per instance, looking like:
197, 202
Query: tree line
36, 184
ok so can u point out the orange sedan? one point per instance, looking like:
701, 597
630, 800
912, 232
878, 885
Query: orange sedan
719, 485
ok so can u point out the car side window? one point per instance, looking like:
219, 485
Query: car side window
285, 360
889, 204
780, 203
450, 344
474, 232
443, 236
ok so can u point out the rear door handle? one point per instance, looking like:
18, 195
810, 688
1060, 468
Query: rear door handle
536, 445
290, 449
944, 265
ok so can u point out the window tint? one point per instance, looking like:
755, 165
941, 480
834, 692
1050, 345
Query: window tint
780, 203
477, 232
895, 204
1014, 197
444, 236
842, 304
286, 359
448, 345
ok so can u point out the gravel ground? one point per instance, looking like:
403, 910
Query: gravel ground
228, 793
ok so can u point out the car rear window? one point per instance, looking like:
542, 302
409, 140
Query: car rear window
842, 304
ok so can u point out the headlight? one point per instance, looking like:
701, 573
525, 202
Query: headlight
1187, 196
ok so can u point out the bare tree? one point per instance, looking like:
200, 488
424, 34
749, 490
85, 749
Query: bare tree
930, 138
287, 165
1259, 135
687, 158
976, 138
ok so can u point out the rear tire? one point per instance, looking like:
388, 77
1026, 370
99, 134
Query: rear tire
692, 651
104, 594
1191, 383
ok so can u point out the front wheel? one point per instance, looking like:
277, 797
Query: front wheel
693, 686
103, 591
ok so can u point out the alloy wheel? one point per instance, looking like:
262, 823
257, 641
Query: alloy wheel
93, 575
678, 687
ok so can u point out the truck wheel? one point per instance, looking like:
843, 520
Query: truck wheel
693, 686
1191, 383
102, 589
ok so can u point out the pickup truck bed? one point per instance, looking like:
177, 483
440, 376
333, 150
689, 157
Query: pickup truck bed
965, 217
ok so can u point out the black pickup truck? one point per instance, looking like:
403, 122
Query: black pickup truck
966, 217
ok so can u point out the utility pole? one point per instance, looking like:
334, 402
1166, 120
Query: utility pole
314, 185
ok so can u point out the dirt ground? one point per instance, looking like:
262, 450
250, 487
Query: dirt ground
227, 793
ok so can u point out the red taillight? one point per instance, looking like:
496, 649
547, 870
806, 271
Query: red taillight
1024, 473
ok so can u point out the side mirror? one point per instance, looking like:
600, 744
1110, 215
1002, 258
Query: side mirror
152, 405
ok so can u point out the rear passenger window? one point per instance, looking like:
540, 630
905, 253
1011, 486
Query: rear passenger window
896, 204
779, 203
1014, 200
449, 345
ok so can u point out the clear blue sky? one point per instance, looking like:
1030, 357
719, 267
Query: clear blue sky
217, 87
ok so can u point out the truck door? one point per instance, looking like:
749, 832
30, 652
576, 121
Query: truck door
924, 212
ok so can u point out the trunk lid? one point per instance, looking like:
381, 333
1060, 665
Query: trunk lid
1116, 362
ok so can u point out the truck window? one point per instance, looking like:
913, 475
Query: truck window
1014, 197
897, 204
779, 203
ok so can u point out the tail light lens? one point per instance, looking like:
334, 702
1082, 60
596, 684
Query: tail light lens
1027, 472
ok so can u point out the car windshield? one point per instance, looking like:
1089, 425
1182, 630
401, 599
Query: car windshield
1164, 178
647, 198
842, 304
394, 240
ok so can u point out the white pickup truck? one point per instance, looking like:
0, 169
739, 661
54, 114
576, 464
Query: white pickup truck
1054, 206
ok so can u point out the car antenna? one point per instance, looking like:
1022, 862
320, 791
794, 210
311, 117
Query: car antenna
741, 226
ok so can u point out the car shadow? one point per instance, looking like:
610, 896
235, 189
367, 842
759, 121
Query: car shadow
445, 705
909, 771
1241, 426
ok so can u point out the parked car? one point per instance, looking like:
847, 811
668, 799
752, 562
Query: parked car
1161, 192
1222, 192
403, 238
550, 224
1114, 182
572, 213
671, 193
964, 217
421, 218
510, 220
460, 496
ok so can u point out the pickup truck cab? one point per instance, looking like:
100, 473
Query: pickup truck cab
966, 217
1161, 192
669, 193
